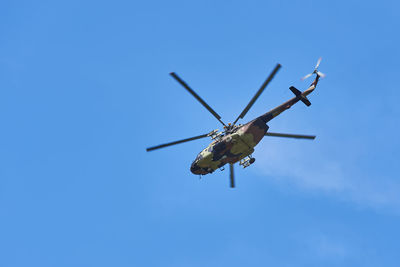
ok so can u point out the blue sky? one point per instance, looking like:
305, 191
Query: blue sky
84, 89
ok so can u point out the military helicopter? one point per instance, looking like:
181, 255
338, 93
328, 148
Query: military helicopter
236, 142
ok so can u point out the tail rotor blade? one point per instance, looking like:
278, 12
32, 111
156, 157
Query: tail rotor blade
315, 71
318, 62
231, 176
305, 77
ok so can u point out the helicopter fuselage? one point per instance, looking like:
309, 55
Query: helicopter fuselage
236, 143
240, 141
230, 148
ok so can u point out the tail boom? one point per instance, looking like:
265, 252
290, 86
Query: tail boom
300, 96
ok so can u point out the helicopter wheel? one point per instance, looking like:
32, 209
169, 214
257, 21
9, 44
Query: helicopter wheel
252, 160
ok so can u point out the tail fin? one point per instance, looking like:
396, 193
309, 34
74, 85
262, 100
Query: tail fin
299, 95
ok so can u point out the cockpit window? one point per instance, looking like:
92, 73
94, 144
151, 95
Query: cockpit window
199, 157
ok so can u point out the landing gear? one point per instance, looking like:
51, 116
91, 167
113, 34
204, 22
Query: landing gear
247, 161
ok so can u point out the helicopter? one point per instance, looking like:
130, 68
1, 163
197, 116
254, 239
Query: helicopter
236, 142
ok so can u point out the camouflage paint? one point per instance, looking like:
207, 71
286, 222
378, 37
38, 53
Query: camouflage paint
239, 142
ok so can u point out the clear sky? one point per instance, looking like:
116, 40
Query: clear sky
84, 89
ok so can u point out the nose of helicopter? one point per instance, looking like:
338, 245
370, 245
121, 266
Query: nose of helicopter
196, 169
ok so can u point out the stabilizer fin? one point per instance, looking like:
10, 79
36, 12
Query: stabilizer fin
298, 94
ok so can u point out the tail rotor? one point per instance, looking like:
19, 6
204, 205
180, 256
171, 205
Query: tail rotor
318, 73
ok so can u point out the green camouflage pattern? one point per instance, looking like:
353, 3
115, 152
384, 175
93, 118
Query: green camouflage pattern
239, 142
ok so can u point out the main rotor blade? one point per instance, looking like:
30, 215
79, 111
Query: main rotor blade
177, 142
299, 136
322, 75
193, 93
270, 77
231, 176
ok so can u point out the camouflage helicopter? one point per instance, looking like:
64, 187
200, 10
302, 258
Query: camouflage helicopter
236, 142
